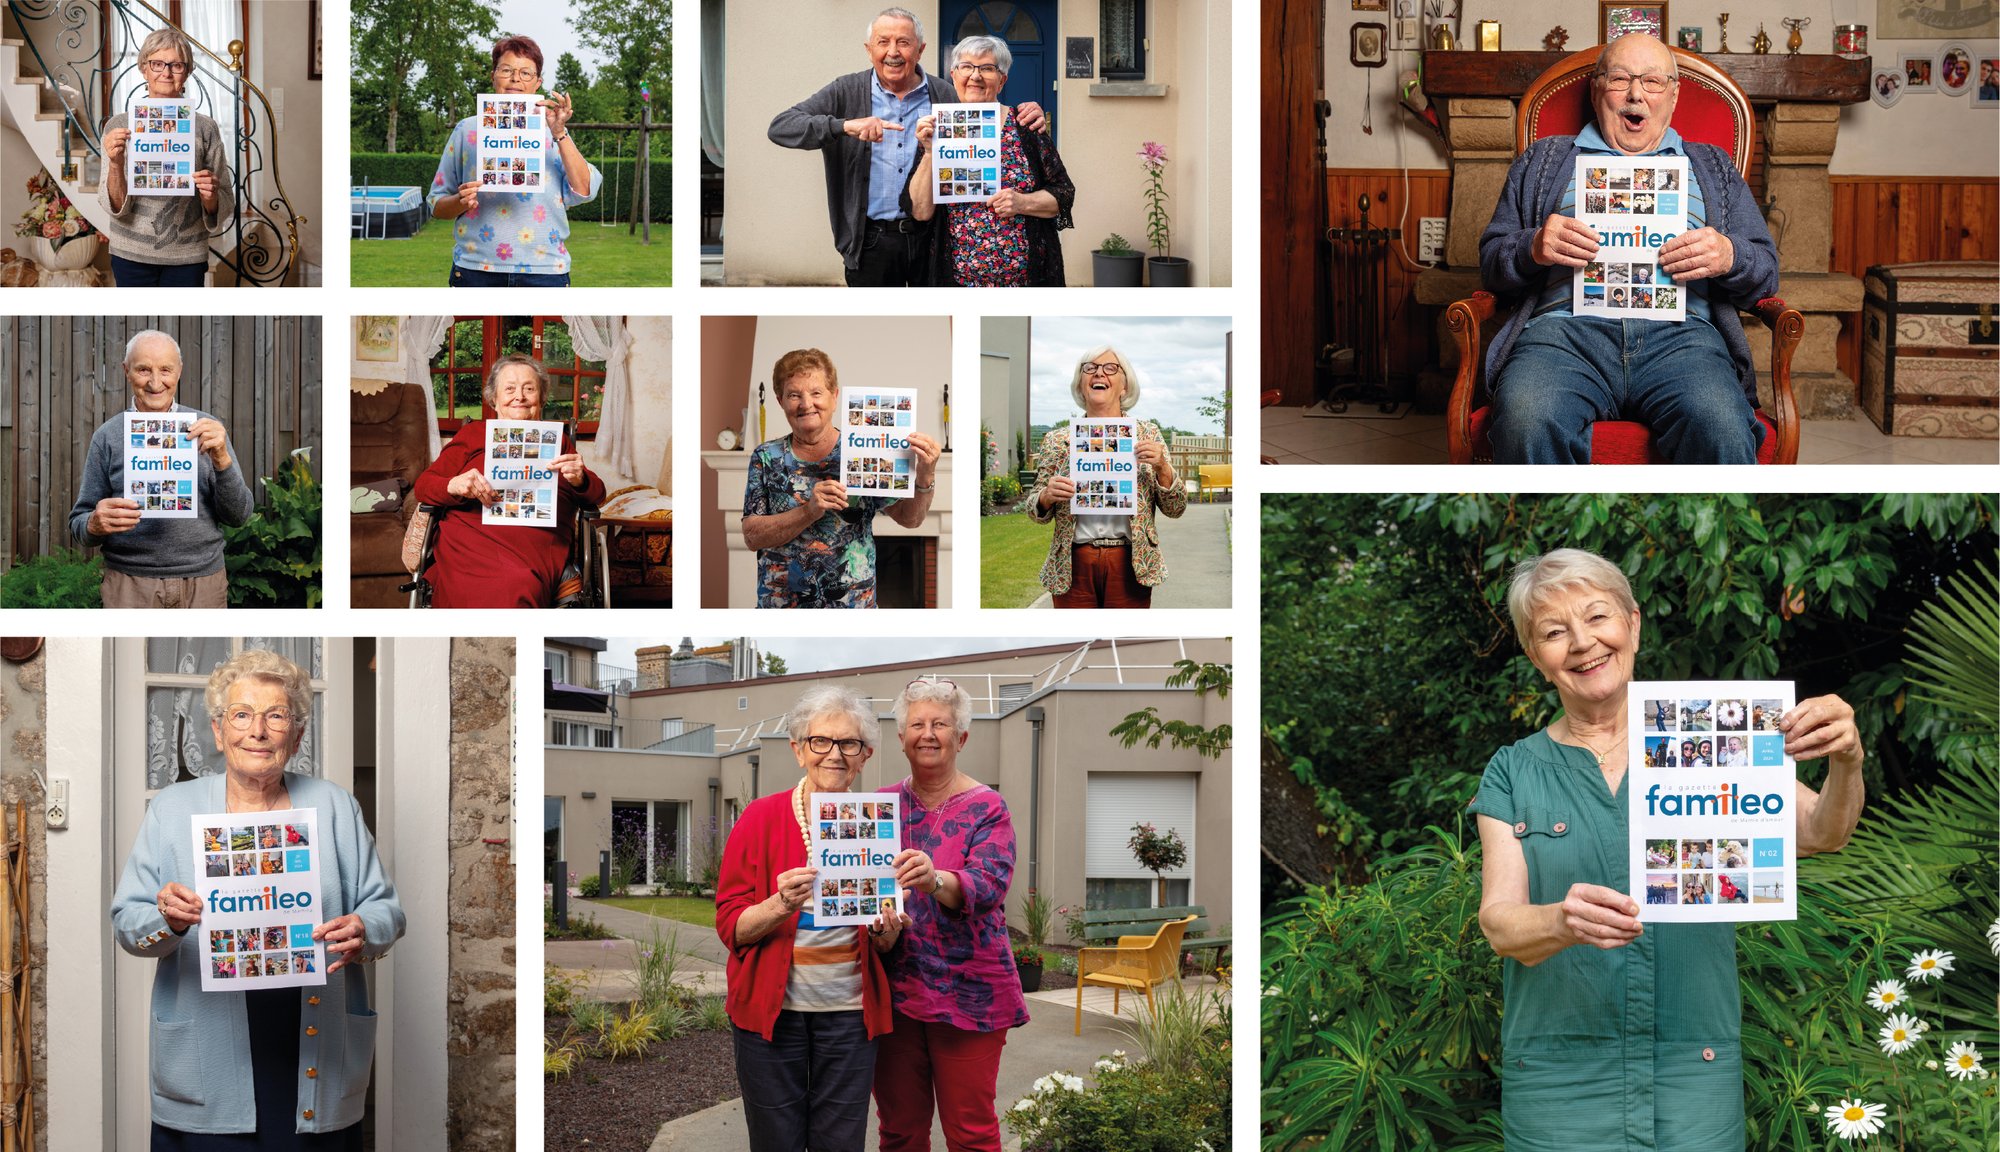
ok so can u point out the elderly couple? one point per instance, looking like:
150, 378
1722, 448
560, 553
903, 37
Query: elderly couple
874, 128
914, 1007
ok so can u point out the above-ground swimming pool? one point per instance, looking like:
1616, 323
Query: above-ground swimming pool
389, 212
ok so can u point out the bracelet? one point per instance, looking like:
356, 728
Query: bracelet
931, 487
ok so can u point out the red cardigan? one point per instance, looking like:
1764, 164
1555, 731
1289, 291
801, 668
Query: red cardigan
765, 842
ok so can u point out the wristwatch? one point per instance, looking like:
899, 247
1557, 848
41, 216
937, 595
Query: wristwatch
937, 882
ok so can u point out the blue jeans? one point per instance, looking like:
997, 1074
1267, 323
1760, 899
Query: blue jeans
132, 274
809, 1086
1567, 372
462, 277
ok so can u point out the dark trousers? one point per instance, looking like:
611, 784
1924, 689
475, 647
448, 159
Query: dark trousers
476, 278
808, 1086
132, 274
889, 258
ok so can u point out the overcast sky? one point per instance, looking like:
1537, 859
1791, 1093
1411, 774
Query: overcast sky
820, 654
547, 25
1178, 361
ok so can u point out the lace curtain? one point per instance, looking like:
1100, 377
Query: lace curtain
179, 742
607, 338
422, 337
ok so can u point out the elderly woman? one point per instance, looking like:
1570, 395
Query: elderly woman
515, 238
267, 1068
952, 974
815, 543
162, 241
807, 1001
1587, 986
1096, 559
1010, 240
494, 566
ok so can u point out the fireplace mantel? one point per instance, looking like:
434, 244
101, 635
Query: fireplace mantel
1772, 79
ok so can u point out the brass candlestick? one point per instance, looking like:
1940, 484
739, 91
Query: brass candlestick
1722, 18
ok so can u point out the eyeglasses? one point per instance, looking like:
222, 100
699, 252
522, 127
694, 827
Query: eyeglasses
276, 720
821, 745
1101, 370
516, 73
983, 71
923, 681
173, 67
1622, 82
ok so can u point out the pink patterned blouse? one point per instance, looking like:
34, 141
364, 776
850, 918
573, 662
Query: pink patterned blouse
957, 967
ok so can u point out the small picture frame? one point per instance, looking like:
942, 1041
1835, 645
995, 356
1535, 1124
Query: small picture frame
1919, 71
1368, 45
1370, 5
1688, 39
1986, 81
1885, 87
1954, 68
1618, 17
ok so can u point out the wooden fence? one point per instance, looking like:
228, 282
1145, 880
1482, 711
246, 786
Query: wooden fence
61, 377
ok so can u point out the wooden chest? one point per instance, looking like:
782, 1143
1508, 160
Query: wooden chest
1930, 349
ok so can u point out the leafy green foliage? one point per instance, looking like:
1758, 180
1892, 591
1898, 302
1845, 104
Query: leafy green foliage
1115, 245
62, 579
1036, 914
1135, 1106
630, 1034
397, 170
998, 494
274, 557
1146, 724
414, 61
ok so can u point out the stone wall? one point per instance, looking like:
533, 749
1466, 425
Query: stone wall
479, 1022
23, 746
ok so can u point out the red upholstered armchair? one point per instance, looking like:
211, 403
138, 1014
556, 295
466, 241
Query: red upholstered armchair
1712, 110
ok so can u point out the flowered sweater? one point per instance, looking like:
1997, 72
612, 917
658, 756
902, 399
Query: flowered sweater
509, 231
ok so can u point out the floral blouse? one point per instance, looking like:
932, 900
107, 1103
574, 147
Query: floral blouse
829, 565
957, 967
524, 232
987, 251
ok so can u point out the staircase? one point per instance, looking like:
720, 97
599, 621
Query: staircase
50, 77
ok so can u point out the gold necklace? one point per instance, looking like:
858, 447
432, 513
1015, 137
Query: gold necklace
1587, 745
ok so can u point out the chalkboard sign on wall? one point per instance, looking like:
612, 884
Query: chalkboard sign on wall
1078, 62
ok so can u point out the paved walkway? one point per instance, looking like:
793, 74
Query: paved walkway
1197, 548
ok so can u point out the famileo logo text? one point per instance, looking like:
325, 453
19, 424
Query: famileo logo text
1726, 800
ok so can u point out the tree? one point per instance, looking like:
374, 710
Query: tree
570, 75
637, 37
396, 39
1145, 724
774, 664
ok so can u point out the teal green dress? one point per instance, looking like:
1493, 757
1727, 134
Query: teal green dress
1608, 1049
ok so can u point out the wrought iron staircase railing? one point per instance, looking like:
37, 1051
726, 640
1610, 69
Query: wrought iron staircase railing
82, 50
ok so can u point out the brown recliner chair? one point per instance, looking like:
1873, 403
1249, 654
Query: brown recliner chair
390, 448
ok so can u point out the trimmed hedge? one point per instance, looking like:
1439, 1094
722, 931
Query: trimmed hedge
396, 169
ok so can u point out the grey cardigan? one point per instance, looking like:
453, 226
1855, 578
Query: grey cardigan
1534, 191
171, 229
160, 548
815, 122
199, 1050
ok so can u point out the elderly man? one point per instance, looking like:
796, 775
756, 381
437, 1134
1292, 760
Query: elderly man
1554, 373
158, 562
865, 124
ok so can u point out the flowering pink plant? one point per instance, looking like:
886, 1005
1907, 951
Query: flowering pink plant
50, 214
1159, 230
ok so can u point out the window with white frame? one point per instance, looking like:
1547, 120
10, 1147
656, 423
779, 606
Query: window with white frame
1113, 877
578, 734
180, 744
556, 662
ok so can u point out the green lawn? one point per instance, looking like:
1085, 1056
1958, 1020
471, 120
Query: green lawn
605, 258
1012, 550
694, 910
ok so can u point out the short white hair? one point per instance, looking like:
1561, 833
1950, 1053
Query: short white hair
1537, 579
1003, 58
832, 700
935, 692
896, 14
1127, 400
132, 345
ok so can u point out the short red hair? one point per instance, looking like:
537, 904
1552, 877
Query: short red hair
519, 46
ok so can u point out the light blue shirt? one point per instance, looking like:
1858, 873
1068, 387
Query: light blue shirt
892, 158
525, 232
1555, 297
199, 1048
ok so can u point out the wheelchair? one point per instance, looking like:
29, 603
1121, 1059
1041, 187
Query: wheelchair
586, 574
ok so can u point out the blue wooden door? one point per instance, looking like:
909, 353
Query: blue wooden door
1028, 27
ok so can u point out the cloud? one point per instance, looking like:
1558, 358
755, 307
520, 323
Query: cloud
1179, 360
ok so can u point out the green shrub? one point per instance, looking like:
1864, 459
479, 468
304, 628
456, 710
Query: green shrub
62, 579
1134, 1106
630, 1034
559, 990
590, 887
274, 557
399, 169
998, 493
711, 1014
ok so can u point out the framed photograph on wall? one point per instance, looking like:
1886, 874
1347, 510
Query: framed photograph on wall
1954, 68
1368, 45
1616, 18
1919, 71
1689, 38
1370, 5
1986, 91
1886, 87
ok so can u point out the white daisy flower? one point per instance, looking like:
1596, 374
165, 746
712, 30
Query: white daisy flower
1900, 1034
1729, 714
1929, 965
1855, 1119
1024, 1104
1962, 1061
1993, 936
1887, 995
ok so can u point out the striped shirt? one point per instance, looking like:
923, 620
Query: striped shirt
1555, 297
826, 969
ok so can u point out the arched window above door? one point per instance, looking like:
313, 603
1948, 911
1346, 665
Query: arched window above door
1008, 21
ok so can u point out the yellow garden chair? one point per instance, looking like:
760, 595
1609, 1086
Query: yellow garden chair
1137, 963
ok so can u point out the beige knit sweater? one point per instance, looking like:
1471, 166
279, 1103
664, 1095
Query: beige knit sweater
171, 229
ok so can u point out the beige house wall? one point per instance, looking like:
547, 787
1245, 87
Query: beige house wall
775, 222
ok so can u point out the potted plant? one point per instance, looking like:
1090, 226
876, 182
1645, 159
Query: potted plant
1028, 961
1115, 265
1158, 853
1166, 271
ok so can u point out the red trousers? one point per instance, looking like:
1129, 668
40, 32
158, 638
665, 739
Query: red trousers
1103, 578
921, 1068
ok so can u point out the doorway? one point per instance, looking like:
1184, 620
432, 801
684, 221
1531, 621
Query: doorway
1028, 27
